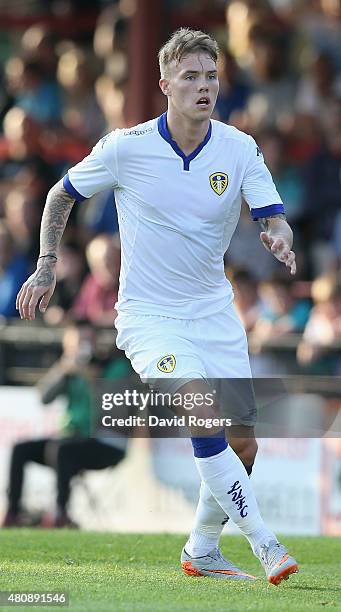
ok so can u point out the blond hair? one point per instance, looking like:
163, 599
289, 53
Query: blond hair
185, 41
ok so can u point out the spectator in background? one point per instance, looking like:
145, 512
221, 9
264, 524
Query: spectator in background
323, 192
22, 216
111, 38
320, 23
110, 44
33, 159
241, 16
99, 291
23, 150
38, 96
72, 450
39, 45
234, 89
14, 269
318, 87
82, 116
274, 86
246, 297
111, 100
281, 313
303, 135
322, 330
33, 88
286, 175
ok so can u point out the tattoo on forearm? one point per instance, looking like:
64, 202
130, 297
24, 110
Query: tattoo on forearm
56, 213
264, 222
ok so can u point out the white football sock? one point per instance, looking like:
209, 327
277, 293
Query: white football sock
226, 478
207, 525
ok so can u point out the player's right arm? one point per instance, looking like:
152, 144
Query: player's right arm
98, 171
39, 287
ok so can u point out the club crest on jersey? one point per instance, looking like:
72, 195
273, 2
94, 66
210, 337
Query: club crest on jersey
219, 182
167, 364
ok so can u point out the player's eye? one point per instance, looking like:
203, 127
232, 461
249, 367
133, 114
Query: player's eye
212, 77
190, 77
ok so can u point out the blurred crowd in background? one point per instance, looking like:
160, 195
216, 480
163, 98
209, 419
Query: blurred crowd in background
280, 80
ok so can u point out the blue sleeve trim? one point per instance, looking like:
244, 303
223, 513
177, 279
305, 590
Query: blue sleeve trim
207, 447
71, 190
267, 211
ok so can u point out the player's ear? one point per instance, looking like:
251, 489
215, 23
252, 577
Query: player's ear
165, 87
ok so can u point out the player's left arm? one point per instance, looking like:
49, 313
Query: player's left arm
266, 206
277, 237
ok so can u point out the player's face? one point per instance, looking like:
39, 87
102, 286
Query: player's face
192, 86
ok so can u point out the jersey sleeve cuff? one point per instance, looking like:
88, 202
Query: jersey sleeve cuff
267, 211
71, 190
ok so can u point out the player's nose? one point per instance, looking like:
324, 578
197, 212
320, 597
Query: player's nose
203, 86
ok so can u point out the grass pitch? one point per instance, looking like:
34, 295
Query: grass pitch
140, 573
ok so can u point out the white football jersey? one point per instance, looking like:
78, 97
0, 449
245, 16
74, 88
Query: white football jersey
176, 214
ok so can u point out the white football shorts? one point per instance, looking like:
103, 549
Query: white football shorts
213, 347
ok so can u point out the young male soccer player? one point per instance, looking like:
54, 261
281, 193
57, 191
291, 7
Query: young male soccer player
178, 183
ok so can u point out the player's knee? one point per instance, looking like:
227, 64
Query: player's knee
246, 450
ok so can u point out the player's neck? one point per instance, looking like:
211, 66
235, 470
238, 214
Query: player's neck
188, 135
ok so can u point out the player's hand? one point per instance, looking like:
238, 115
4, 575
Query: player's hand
280, 248
38, 288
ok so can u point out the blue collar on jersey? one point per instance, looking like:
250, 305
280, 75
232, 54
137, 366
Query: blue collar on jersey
164, 132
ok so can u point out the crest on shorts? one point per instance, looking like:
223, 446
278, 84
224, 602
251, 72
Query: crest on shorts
219, 182
167, 364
